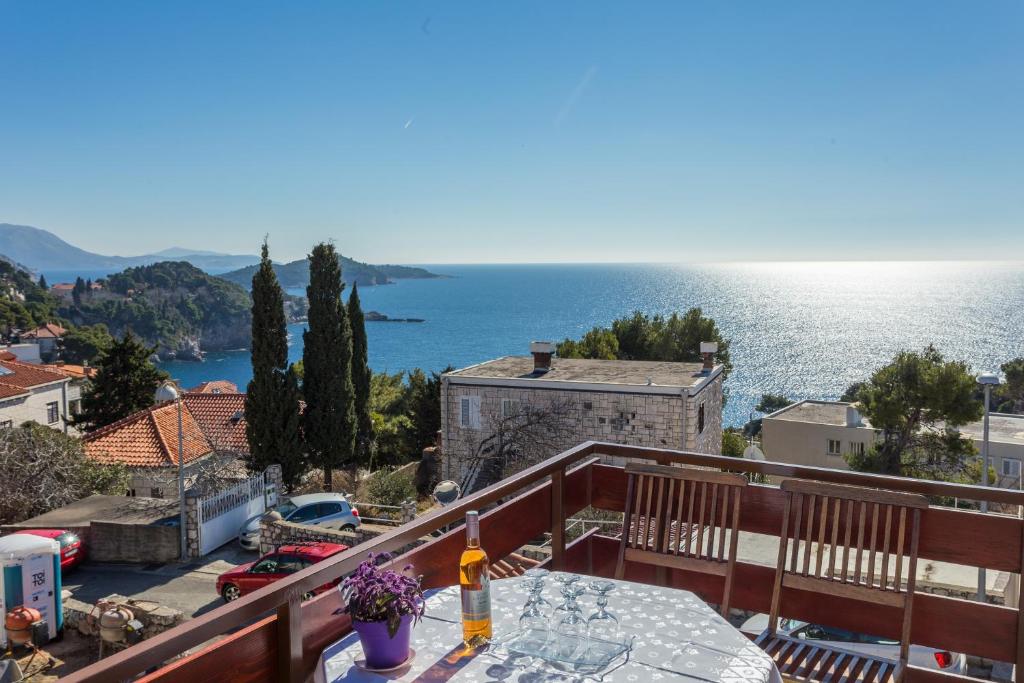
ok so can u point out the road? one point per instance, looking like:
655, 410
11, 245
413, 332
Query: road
190, 588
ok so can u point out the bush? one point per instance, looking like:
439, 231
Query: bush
390, 488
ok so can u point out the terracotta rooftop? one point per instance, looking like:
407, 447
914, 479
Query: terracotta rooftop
17, 378
72, 371
47, 331
216, 386
149, 438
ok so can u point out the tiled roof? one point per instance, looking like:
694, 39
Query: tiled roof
222, 419
63, 287
72, 371
18, 376
7, 355
216, 386
149, 438
47, 331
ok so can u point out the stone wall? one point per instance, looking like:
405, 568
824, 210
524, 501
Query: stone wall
275, 532
654, 420
84, 617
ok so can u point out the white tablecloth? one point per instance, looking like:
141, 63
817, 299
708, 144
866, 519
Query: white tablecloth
678, 637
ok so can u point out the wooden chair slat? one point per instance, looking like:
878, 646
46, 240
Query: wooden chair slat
884, 575
873, 516
822, 525
654, 501
810, 533
874, 538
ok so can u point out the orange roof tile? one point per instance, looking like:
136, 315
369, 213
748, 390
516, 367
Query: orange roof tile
73, 371
149, 438
222, 419
47, 331
216, 386
27, 375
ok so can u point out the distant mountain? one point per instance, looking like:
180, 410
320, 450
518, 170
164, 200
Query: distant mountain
41, 250
296, 274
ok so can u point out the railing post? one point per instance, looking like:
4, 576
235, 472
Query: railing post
289, 640
558, 519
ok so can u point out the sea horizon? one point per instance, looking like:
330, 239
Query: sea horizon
803, 329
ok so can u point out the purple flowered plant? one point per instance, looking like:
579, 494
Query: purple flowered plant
375, 594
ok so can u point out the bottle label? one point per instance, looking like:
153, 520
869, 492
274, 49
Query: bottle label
476, 604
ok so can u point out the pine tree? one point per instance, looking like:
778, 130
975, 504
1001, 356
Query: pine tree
125, 383
42, 282
329, 421
360, 376
272, 397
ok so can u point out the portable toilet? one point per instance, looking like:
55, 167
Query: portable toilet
30, 577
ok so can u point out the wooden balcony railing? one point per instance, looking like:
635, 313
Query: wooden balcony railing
271, 635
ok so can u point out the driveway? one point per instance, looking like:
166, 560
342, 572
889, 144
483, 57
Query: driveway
190, 587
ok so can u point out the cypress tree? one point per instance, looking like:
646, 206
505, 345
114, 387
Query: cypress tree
272, 397
125, 383
360, 376
329, 421
42, 282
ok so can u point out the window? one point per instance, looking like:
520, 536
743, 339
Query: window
856, 448
835, 447
52, 412
325, 509
509, 407
156, 493
469, 412
700, 419
289, 564
7, 424
75, 407
267, 565
303, 514
1011, 467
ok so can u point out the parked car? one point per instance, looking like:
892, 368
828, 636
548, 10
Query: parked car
925, 657
274, 566
331, 510
72, 549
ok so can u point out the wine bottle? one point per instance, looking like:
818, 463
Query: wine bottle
474, 578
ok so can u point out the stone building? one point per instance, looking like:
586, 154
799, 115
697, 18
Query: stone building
499, 416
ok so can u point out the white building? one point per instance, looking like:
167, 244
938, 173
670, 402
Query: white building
32, 393
820, 433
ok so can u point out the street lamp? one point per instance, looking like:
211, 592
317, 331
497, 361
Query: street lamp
986, 380
168, 391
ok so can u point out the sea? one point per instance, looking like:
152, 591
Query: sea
804, 329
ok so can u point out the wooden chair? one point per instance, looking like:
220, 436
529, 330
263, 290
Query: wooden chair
678, 518
841, 529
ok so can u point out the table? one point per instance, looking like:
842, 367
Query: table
678, 637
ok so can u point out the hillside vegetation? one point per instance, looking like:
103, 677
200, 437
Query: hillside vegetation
296, 274
23, 303
171, 305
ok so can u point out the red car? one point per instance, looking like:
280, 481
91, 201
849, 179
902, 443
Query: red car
72, 550
287, 559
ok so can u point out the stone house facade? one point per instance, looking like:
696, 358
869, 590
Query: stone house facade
517, 410
32, 393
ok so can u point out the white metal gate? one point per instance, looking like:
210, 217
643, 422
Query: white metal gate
222, 514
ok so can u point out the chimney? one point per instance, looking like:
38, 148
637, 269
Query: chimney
853, 418
542, 352
707, 352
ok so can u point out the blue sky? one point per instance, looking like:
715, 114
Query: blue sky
480, 132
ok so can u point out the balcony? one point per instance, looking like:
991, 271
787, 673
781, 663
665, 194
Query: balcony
271, 635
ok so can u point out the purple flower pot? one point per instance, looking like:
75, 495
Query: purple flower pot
381, 650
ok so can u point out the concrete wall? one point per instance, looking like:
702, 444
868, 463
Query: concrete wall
117, 542
32, 408
806, 443
275, 532
656, 420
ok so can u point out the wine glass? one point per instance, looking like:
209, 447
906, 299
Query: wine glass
567, 580
603, 632
535, 586
572, 628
